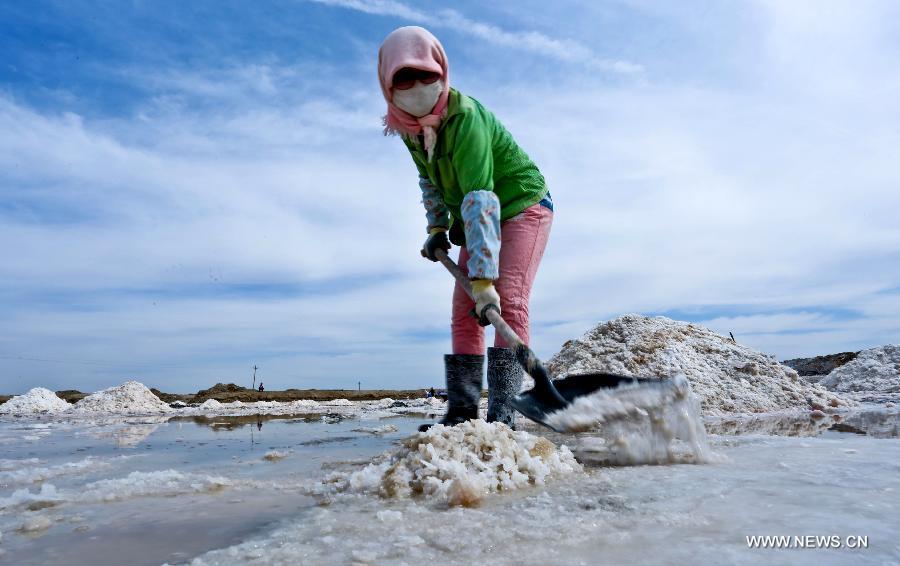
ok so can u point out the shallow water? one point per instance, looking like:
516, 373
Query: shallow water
158, 518
148, 491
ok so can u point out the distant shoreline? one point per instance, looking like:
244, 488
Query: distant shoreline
231, 392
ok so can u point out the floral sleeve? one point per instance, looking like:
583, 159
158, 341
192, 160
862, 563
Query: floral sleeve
436, 212
481, 215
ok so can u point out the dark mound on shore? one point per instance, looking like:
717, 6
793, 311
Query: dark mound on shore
820, 365
218, 389
168, 397
71, 395
226, 393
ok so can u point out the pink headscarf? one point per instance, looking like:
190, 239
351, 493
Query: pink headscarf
415, 47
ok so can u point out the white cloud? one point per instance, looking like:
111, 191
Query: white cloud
380, 8
120, 234
834, 48
531, 41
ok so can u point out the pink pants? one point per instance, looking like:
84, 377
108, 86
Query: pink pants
522, 241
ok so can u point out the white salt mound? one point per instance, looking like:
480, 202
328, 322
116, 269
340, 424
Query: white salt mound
875, 370
461, 465
339, 403
36, 400
210, 404
131, 397
727, 377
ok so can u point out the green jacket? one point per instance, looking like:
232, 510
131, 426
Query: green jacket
475, 152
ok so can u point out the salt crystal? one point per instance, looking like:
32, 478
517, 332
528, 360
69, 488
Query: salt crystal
387, 516
36, 524
275, 455
377, 430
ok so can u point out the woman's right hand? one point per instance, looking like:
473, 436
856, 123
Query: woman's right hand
485, 296
437, 240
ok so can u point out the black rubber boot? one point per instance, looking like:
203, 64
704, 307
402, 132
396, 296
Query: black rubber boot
504, 377
463, 373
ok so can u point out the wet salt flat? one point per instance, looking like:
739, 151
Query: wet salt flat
224, 490
160, 489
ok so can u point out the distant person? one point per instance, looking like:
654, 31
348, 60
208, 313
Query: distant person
261, 388
430, 393
481, 192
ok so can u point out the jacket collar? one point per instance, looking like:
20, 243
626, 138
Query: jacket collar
457, 103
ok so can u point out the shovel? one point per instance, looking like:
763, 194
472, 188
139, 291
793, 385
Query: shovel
547, 396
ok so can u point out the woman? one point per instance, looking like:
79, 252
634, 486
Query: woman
479, 186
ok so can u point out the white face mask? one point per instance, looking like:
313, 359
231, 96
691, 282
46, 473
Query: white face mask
420, 99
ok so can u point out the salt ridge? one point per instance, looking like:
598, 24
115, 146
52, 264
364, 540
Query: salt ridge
727, 377
162, 483
42, 473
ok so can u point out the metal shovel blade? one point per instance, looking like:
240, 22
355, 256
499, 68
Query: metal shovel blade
538, 403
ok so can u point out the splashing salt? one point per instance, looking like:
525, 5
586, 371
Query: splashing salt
635, 424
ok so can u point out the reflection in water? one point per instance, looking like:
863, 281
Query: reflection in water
842, 427
879, 423
125, 432
327, 440
780, 424
131, 436
232, 422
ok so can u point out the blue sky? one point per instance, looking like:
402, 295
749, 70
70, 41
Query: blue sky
191, 188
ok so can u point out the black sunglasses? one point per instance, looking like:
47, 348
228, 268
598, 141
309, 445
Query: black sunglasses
405, 78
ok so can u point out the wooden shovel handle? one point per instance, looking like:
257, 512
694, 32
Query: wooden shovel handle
529, 361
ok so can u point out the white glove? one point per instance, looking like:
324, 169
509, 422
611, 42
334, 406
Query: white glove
485, 296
